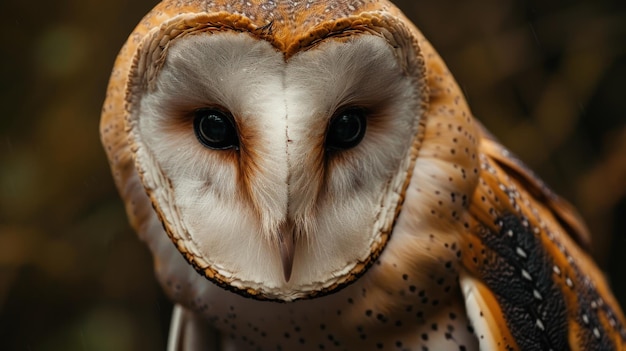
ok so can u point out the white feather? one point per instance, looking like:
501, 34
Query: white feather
335, 205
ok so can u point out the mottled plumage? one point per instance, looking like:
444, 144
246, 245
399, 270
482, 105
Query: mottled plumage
418, 231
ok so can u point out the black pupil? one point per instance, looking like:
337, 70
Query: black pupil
346, 130
214, 129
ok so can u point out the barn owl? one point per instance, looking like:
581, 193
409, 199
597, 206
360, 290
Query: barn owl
308, 176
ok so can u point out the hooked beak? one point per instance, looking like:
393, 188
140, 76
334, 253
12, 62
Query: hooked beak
286, 247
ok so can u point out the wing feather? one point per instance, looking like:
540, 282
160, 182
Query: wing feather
485, 315
563, 211
525, 268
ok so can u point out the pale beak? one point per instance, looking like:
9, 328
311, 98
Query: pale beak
287, 248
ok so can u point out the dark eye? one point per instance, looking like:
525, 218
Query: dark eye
215, 129
346, 130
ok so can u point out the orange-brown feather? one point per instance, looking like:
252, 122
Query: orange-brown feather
507, 188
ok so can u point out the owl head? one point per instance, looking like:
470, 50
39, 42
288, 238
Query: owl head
273, 139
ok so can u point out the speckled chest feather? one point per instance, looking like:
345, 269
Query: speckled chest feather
418, 232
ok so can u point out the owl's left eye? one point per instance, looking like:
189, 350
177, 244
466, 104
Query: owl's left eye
215, 129
346, 129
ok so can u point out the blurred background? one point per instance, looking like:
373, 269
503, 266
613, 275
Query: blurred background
547, 78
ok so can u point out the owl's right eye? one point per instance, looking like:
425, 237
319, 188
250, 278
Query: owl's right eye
215, 129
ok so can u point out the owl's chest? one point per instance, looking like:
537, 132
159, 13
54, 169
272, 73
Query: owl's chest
359, 317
